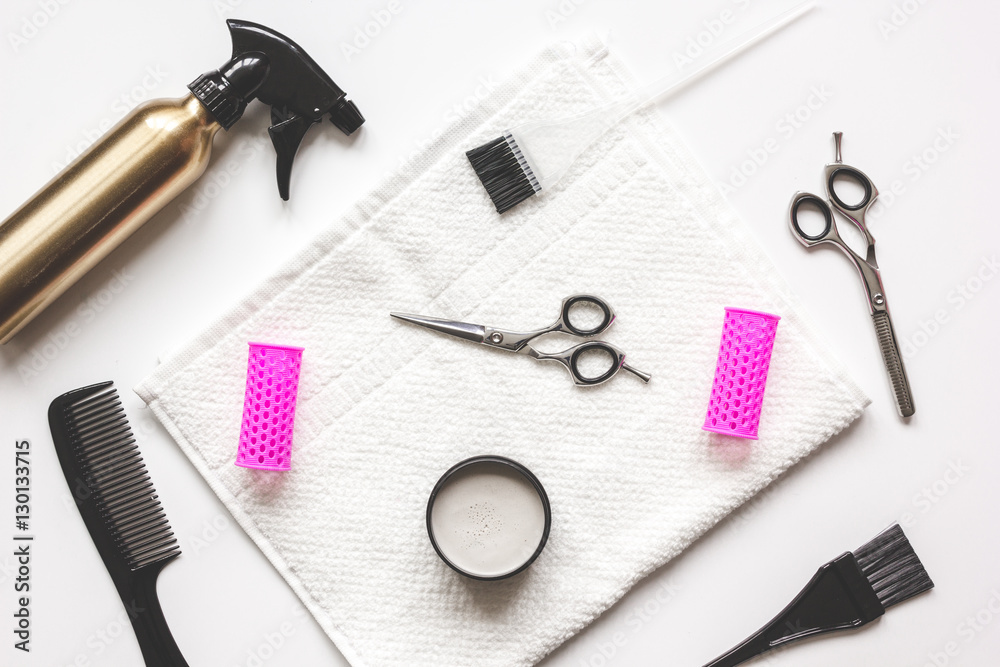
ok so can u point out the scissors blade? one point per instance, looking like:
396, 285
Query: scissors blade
474, 332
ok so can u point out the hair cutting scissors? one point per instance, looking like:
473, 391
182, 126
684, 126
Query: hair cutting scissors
867, 266
520, 341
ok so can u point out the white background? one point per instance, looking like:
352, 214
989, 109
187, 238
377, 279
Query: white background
895, 77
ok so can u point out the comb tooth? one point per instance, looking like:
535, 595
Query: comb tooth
97, 449
100, 425
101, 405
108, 458
126, 516
149, 514
141, 513
113, 502
86, 402
139, 486
162, 557
152, 548
152, 551
100, 457
142, 526
149, 530
136, 494
130, 507
149, 508
114, 457
113, 468
112, 471
148, 540
140, 529
108, 442
110, 437
85, 428
107, 405
125, 482
138, 479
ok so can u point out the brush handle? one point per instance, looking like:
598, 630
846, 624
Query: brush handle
838, 597
158, 646
550, 147
715, 57
753, 646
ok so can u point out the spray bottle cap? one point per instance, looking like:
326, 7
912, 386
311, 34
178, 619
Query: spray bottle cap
268, 66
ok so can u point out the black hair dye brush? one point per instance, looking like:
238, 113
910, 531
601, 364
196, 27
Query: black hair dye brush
848, 592
119, 505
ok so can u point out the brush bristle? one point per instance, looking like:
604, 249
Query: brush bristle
892, 567
116, 476
504, 172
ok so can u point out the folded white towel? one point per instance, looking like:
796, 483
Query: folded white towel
385, 408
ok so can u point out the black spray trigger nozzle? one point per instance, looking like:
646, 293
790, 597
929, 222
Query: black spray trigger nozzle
346, 117
288, 129
286, 134
268, 66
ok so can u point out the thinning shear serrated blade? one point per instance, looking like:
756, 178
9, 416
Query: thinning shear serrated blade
474, 332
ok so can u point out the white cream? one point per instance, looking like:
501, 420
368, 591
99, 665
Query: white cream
488, 519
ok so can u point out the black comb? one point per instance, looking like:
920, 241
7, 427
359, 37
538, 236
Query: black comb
848, 592
115, 496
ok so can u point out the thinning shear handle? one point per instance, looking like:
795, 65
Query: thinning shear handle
893, 362
867, 267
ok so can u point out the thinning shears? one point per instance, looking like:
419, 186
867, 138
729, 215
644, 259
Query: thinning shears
867, 266
520, 341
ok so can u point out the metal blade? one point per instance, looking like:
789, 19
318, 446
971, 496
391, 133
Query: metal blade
893, 363
464, 330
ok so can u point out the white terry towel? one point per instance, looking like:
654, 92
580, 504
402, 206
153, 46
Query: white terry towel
385, 407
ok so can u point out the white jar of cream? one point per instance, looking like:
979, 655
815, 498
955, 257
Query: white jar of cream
488, 517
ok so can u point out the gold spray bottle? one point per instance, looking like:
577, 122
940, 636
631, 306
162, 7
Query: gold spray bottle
149, 158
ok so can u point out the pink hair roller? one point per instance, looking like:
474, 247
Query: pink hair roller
269, 407
741, 373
